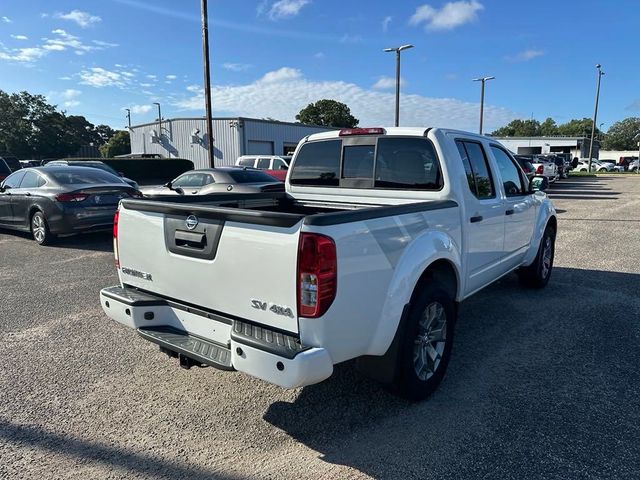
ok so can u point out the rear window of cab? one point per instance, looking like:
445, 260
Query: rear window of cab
407, 163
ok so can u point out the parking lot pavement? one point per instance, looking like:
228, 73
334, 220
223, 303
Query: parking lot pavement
542, 384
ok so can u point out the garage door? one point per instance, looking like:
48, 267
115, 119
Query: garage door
258, 147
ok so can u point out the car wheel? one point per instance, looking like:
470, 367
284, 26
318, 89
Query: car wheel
40, 229
583, 169
603, 170
538, 273
426, 344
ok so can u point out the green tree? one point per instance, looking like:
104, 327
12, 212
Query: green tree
328, 113
519, 128
577, 128
622, 135
548, 128
118, 144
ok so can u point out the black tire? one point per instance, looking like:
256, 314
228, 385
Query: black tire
538, 273
411, 381
40, 229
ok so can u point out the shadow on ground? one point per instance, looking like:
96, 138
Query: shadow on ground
133, 463
544, 392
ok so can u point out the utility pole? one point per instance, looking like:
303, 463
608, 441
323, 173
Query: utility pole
595, 115
128, 118
398, 50
207, 80
483, 80
159, 120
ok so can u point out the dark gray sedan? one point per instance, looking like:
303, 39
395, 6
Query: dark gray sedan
207, 181
51, 201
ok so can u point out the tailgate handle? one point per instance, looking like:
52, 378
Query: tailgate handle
190, 239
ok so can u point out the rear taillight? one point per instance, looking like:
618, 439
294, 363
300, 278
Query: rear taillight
71, 197
116, 217
317, 274
540, 170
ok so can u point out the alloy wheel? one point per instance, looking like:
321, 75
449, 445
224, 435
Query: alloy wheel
429, 344
38, 228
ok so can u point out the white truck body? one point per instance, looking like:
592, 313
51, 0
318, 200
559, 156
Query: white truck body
247, 288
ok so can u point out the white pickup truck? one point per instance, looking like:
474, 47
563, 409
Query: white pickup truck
379, 235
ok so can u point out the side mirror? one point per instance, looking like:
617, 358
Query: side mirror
168, 185
179, 191
2, 188
538, 184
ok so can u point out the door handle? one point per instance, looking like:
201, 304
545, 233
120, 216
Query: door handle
509, 212
476, 219
27, 194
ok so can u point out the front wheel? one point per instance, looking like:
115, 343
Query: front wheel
426, 344
538, 273
40, 229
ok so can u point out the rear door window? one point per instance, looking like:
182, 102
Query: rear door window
477, 169
31, 180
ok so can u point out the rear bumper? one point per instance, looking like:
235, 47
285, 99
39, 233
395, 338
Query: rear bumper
75, 220
275, 357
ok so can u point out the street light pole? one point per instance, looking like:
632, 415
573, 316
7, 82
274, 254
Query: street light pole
207, 80
159, 119
483, 80
128, 118
398, 50
595, 115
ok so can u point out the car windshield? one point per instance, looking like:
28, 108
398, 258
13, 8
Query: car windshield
250, 176
79, 176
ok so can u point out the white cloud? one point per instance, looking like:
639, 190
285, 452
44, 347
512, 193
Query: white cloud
6, 20
139, 109
70, 93
385, 83
99, 77
171, 77
281, 75
83, 19
525, 55
236, 67
195, 89
287, 92
65, 78
152, 77
23, 55
346, 38
385, 23
451, 15
20, 37
63, 41
285, 8
451, 76
146, 85
320, 55
71, 103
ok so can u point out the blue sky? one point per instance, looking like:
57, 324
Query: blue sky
270, 58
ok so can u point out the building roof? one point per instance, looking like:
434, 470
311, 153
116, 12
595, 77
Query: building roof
264, 120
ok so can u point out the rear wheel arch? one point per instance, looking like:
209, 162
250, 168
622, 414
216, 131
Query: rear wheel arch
444, 273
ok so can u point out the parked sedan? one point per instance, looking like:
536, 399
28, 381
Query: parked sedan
93, 164
51, 201
217, 180
634, 165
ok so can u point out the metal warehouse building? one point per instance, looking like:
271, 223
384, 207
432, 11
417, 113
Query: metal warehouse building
576, 146
232, 137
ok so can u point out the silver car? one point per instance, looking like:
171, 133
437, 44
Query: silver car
208, 181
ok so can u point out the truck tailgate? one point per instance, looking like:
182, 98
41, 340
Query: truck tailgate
234, 262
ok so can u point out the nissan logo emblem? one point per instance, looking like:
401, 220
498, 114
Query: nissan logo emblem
191, 222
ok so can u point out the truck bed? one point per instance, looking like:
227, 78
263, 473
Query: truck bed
278, 209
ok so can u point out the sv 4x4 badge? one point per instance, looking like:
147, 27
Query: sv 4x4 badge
277, 309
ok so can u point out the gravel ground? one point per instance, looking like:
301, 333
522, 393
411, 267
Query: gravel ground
542, 384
